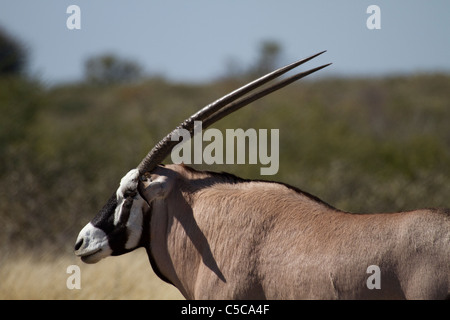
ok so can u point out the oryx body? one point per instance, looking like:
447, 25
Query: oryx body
219, 236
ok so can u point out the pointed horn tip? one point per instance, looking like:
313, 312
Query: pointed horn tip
318, 54
321, 67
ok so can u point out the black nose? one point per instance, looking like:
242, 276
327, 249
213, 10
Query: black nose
78, 244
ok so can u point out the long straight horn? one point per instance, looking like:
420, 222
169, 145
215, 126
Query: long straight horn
222, 107
236, 105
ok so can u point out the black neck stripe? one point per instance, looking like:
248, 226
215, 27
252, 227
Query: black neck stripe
146, 243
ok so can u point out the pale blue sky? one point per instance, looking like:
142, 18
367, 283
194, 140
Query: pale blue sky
192, 40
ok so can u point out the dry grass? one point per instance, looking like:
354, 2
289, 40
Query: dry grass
130, 276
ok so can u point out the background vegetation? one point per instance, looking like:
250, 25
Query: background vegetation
362, 145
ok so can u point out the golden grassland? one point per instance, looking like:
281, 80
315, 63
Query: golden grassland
26, 276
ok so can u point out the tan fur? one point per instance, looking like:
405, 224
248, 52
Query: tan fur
218, 237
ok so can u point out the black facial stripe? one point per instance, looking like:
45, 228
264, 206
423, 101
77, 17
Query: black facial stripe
125, 212
117, 240
104, 219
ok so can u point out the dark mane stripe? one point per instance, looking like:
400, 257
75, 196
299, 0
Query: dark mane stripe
231, 178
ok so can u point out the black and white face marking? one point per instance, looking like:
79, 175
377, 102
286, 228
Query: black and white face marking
117, 228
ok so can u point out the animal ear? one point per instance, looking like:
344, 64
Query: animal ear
152, 186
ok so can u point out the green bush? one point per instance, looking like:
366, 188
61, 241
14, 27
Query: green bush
359, 144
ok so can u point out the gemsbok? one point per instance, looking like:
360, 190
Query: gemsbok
217, 236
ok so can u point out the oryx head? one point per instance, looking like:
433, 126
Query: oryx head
120, 226
117, 228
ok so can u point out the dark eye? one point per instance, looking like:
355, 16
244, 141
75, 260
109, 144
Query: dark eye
130, 193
